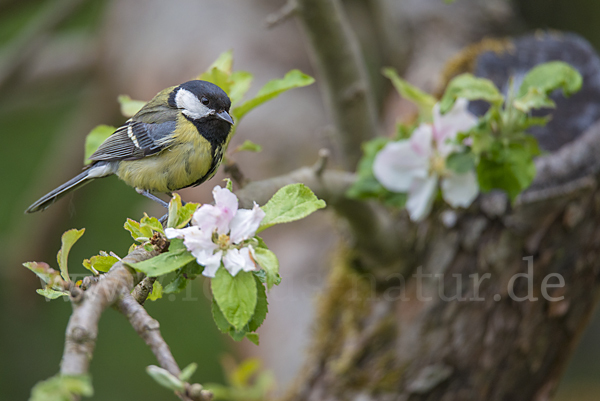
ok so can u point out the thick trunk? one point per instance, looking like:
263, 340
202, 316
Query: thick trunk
405, 332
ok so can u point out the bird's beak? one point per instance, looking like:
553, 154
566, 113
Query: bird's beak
223, 115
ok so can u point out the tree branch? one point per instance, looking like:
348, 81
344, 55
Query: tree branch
82, 329
377, 236
340, 64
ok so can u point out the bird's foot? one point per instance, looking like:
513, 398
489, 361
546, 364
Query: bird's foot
153, 197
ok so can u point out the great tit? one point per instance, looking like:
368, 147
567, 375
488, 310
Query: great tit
175, 141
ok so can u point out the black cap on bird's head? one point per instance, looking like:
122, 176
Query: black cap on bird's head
201, 99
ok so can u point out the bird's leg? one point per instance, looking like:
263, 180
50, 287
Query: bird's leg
152, 197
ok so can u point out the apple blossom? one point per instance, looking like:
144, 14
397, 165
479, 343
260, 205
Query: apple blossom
415, 165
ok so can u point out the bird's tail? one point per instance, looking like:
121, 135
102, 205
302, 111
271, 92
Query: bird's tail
51, 197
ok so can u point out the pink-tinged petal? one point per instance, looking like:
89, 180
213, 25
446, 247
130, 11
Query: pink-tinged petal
447, 126
245, 223
421, 197
210, 262
209, 218
420, 140
227, 202
233, 261
397, 164
460, 190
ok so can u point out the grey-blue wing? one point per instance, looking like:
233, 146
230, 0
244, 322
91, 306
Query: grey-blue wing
135, 140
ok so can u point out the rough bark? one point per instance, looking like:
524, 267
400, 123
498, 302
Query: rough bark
379, 339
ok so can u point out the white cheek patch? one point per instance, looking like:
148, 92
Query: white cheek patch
190, 105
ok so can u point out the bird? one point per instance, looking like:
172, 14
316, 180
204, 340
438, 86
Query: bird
176, 140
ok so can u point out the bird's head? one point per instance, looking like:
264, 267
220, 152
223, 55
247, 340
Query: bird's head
200, 100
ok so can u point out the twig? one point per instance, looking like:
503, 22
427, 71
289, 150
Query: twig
82, 329
376, 235
143, 289
342, 68
321, 163
283, 14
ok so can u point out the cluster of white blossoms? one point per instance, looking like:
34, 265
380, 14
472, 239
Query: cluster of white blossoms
218, 234
416, 165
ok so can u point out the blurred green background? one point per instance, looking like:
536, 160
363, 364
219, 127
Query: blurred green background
62, 65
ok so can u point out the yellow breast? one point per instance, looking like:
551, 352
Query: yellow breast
179, 166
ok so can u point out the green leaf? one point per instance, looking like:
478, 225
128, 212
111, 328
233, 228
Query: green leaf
471, 88
253, 337
165, 379
236, 296
268, 261
43, 271
179, 216
224, 62
95, 139
240, 83
138, 233
219, 318
188, 371
292, 202
366, 186
512, 170
52, 294
177, 257
68, 239
461, 163
228, 184
152, 223
99, 263
533, 99
157, 291
219, 78
62, 388
422, 100
248, 146
129, 107
261, 309
550, 76
293, 79
182, 277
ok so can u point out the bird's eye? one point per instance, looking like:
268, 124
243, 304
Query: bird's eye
204, 101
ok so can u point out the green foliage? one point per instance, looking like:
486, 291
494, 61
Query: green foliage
290, 203
246, 382
167, 262
471, 88
157, 291
542, 80
95, 138
188, 371
498, 148
268, 261
422, 100
249, 146
62, 388
129, 107
235, 296
165, 379
68, 239
100, 263
179, 216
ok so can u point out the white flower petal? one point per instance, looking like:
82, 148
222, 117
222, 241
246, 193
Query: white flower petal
233, 261
245, 223
248, 255
447, 126
420, 140
172, 233
397, 164
208, 218
210, 262
421, 197
460, 190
